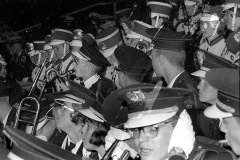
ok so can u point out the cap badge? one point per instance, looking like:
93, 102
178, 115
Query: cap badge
136, 96
148, 98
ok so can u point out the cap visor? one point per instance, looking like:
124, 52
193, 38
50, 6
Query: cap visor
119, 134
148, 119
77, 54
199, 73
214, 112
66, 99
88, 113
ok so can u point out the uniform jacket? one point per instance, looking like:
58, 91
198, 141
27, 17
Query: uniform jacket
215, 46
102, 87
63, 66
192, 103
35, 71
20, 66
227, 54
58, 139
208, 149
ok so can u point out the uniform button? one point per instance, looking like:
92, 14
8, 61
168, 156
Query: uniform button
199, 147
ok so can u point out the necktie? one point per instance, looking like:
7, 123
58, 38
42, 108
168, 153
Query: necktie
70, 147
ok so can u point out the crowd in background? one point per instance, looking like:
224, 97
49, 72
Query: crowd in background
159, 79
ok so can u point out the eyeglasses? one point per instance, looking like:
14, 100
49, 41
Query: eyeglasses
119, 70
64, 107
150, 131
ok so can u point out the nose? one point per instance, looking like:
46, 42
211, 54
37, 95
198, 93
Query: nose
84, 128
58, 111
200, 85
142, 137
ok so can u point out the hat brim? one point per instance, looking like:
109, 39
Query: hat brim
148, 119
199, 73
214, 112
119, 134
72, 99
30, 147
88, 113
77, 54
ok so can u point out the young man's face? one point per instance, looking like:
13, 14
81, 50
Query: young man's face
63, 118
121, 78
207, 28
207, 93
3, 71
88, 130
81, 67
154, 148
156, 63
59, 50
231, 127
228, 18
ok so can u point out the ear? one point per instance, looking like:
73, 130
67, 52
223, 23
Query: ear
121, 76
161, 60
91, 67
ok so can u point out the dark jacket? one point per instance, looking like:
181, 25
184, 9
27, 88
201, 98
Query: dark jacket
207, 149
103, 87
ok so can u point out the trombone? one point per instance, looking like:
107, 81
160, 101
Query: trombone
30, 109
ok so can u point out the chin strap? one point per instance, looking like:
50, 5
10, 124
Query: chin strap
234, 15
215, 30
64, 49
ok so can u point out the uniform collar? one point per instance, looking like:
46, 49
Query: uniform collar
67, 141
215, 40
174, 79
89, 82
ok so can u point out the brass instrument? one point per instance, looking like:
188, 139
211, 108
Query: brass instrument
50, 71
30, 109
109, 152
37, 78
26, 107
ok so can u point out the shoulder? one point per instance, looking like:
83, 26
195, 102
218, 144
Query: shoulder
107, 85
185, 81
208, 149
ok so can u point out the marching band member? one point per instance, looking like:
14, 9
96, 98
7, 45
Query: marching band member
212, 41
207, 93
3, 70
60, 44
227, 105
133, 65
137, 37
108, 41
20, 64
160, 12
68, 121
90, 66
